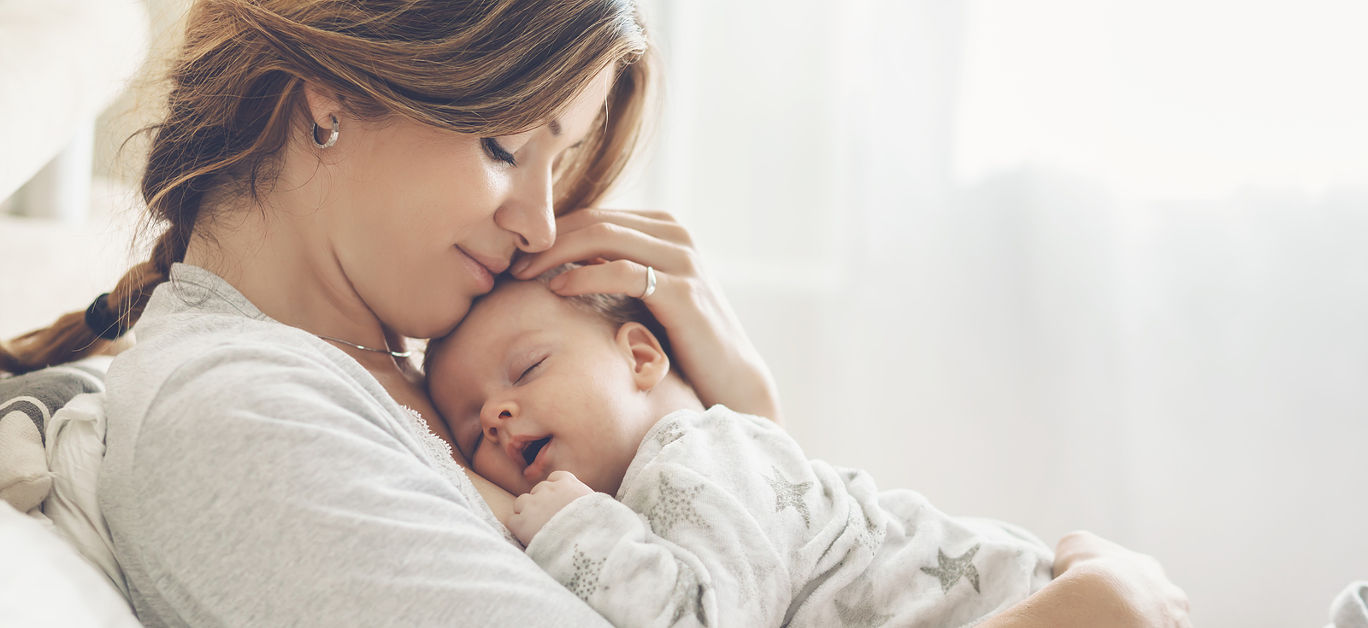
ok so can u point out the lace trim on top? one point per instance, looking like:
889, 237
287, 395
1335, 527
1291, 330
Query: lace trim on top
436, 448
440, 452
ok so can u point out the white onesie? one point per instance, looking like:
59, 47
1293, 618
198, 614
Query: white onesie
722, 521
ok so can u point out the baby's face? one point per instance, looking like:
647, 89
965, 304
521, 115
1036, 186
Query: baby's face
530, 384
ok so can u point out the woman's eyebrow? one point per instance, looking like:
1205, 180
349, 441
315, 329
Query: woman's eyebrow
555, 127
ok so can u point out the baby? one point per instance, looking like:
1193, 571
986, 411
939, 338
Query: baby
719, 518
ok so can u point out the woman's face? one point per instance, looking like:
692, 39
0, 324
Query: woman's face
419, 219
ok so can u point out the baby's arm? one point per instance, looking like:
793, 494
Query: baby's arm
645, 586
608, 555
712, 511
533, 509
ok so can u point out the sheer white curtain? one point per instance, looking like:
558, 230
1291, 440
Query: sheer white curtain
1075, 264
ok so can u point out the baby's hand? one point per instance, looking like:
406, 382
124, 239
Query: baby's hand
533, 509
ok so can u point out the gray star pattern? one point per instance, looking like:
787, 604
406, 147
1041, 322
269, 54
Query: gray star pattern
669, 434
584, 580
951, 570
688, 595
673, 506
860, 615
748, 591
788, 493
873, 535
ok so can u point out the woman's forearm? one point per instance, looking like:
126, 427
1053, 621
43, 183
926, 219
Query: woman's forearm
760, 399
1087, 594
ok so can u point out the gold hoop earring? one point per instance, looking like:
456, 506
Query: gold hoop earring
332, 137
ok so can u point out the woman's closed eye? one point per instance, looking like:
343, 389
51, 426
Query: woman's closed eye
496, 151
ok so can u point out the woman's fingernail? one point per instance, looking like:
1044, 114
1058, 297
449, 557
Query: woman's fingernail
556, 283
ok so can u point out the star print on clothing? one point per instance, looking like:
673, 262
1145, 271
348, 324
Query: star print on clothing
584, 580
669, 434
688, 595
748, 591
674, 505
951, 569
788, 493
860, 615
872, 536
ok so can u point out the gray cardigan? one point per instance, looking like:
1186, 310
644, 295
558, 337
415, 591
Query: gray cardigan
256, 475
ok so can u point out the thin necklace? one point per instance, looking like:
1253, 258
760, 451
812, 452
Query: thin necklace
397, 354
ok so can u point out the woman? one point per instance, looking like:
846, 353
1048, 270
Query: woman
336, 176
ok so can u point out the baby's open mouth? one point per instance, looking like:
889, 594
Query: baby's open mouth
533, 448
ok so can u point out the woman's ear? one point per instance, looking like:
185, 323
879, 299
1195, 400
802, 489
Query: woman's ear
322, 103
649, 363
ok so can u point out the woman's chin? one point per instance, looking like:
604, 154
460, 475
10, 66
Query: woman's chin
439, 324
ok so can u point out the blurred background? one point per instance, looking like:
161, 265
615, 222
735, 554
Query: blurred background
1070, 263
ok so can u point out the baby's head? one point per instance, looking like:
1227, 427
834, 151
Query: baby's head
532, 382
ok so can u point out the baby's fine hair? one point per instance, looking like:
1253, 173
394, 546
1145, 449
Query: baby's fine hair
615, 309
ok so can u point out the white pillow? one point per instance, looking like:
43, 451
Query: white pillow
1350, 608
75, 451
44, 582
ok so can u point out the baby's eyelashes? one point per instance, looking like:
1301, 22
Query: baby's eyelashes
527, 371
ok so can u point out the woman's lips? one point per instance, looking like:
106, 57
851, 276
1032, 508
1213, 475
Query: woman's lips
483, 277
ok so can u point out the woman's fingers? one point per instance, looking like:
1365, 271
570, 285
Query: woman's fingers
607, 240
654, 223
1148, 588
1079, 545
617, 247
615, 277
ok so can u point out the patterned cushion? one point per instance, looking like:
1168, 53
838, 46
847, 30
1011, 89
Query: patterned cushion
26, 404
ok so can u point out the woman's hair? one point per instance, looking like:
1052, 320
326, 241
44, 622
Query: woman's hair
486, 67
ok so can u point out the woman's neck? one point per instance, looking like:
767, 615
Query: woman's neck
279, 259
277, 255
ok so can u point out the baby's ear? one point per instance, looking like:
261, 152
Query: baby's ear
649, 363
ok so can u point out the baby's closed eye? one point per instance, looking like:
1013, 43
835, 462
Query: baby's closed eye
527, 371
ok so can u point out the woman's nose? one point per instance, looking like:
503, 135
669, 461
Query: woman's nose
529, 214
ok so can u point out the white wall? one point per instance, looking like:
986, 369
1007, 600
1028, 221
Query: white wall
1072, 264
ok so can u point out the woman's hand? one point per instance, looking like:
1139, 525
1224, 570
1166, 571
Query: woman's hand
533, 509
1139, 578
1100, 583
707, 340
